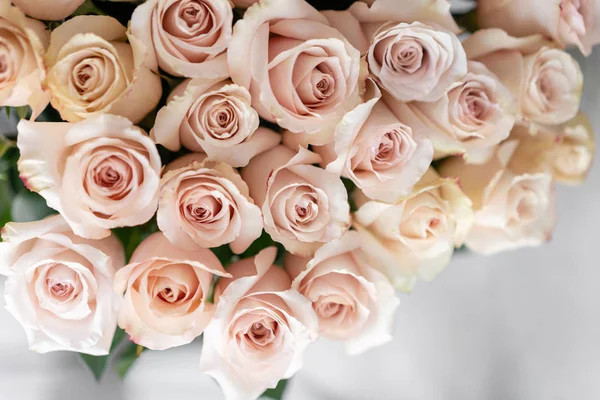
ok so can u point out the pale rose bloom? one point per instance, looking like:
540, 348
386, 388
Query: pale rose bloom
301, 73
22, 71
303, 206
381, 155
354, 302
567, 22
416, 237
213, 117
514, 207
546, 82
60, 286
48, 10
204, 204
165, 291
185, 37
101, 173
92, 70
260, 329
471, 118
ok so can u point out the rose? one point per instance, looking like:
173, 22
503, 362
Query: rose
302, 74
514, 207
244, 3
206, 204
546, 82
260, 329
475, 114
380, 154
48, 10
23, 42
214, 118
354, 302
59, 285
101, 173
185, 37
92, 71
415, 237
165, 293
568, 22
303, 206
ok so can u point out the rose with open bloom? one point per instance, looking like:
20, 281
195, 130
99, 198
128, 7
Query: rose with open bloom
60, 286
474, 115
92, 71
546, 82
213, 117
48, 10
185, 37
301, 73
415, 237
568, 22
204, 204
165, 293
260, 329
101, 173
514, 206
23, 42
380, 154
303, 206
354, 302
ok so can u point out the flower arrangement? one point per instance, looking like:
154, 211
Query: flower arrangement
263, 173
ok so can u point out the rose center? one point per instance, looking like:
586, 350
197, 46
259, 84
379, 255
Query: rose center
407, 56
330, 309
262, 333
60, 289
170, 295
306, 211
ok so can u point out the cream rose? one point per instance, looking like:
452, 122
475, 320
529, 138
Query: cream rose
303, 206
514, 207
206, 204
92, 71
215, 118
60, 286
23, 42
415, 237
354, 302
48, 10
302, 74
185, 37
260, 329
101, 173
165, 293
471, 118
546, 82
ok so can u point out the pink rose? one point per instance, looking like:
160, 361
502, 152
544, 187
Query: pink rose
260, 329
101, 173
303, 206
206, 204
48, 10
165, 293
213, 117
60, 286
185, 37
302, 73
354, 302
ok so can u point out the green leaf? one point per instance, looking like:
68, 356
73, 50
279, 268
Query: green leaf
468, 21
23, 112
88, 8
259, 244
29, 206
127, 358
5, 145
97, 364
276, 393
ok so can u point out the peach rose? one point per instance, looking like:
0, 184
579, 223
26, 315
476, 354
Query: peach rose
303, 206
165, 293
380, 154
92, 71
101, 173
60, 286
206, 204
48, 10
415, 237
213, 117
475, 114
23, 42
260, 329
568, 22
185, 37
514, 207
354, 302
546, 82
302, 73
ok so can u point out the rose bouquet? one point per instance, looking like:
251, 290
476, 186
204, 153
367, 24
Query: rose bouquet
267, 172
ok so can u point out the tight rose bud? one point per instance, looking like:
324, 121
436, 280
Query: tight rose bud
48, 10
